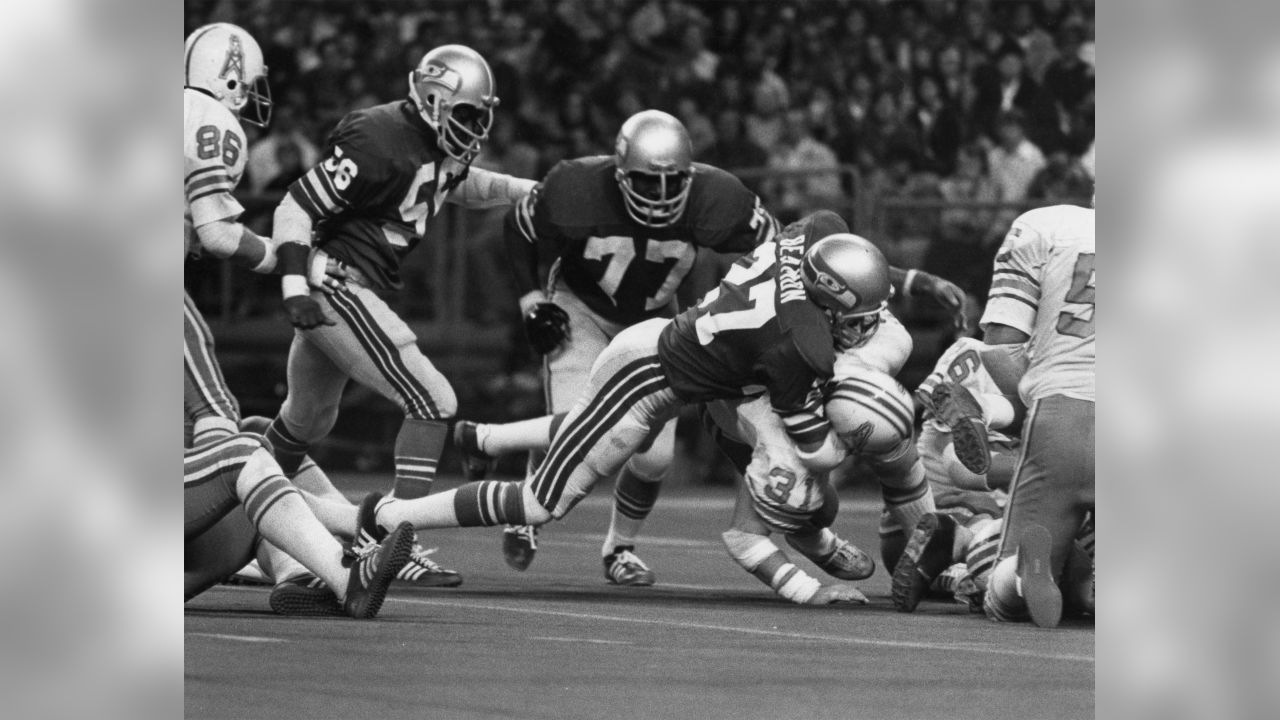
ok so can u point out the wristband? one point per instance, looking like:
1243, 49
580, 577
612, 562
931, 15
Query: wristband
906, 283
294, 285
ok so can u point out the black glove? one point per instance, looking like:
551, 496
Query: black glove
305, 313
547, 325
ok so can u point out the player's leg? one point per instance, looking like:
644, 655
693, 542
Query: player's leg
240, 466
216, 553
310, 408
628, 396
634, 495
207, 401
380, 351
1052, 492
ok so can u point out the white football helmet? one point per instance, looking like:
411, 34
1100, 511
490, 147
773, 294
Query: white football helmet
453, 88
871, 413
655, 167
225, 61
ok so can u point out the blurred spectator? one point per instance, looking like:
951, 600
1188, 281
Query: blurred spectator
971, 182
1062, 178
698, 65
1004, 88
1014, 160
701, 132
733, 149
799, 150
263, 165
937, 123
289, 167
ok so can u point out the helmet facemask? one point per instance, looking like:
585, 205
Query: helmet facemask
255, 103
461, 127
850, 330
655, 199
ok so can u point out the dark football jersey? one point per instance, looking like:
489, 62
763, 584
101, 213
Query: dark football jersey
626, 272
383, 177
758, 331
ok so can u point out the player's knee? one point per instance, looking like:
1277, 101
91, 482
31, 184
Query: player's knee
446, 402
255, 424
653, 466
534, 512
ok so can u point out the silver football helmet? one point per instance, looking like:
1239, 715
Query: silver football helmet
225, 61
453, 88
655, 167
848, 277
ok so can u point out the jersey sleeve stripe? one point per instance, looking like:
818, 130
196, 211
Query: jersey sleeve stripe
326, 185
208, 193
524, 219
1008, 270
322, 189
302, 195
1029, 289
1013, 296
222, 179
201, 171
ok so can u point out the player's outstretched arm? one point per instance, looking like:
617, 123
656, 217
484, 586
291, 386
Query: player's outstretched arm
230, 240
486, 189
946, 293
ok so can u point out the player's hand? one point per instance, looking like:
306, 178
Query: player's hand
948, 295
837, 593
325, 273
547, 325
305, 313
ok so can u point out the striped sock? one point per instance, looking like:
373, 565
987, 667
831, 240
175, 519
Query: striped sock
1003, 602
418, 449
211, 429
633, 498
287, 449
983, 550
278, 511
489, 502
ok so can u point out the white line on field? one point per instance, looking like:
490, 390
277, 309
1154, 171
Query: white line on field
583, 640
1014, 652
239, 638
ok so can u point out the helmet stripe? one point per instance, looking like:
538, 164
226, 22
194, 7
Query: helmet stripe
191, 46
877, 404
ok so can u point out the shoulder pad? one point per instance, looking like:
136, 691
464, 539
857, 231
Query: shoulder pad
577, 192
718, 200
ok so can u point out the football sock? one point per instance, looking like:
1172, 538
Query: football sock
481, 503
909, 499
419, 446
277, 564
211, 429
288, 450
760, 557
814, 544
278, 511
983, 549
314, 480
338, 516
1003, 602
633, 498
533, 434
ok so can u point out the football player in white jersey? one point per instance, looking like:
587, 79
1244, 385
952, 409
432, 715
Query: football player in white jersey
1041, 305
225, 77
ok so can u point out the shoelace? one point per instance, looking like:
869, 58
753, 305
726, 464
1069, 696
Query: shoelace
420, 556
627, 558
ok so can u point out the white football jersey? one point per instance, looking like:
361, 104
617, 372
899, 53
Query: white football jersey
213, 158
962, 365
1044, 285
886, 351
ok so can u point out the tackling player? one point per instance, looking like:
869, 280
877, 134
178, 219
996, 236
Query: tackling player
389, 168
773, 325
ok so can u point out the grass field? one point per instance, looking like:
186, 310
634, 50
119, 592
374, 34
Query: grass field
557, 642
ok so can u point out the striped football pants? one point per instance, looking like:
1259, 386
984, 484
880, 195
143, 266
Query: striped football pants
204, 391
209, 476
625, 404
369, 344
568, 370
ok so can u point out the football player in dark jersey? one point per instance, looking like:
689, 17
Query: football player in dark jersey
619, 235
774, 324
388, 169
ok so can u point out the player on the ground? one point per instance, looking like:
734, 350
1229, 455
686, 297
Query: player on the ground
220, 476
774, 325
1042, 305
388, 169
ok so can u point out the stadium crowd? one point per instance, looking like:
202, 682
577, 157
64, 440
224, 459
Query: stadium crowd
946, 99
